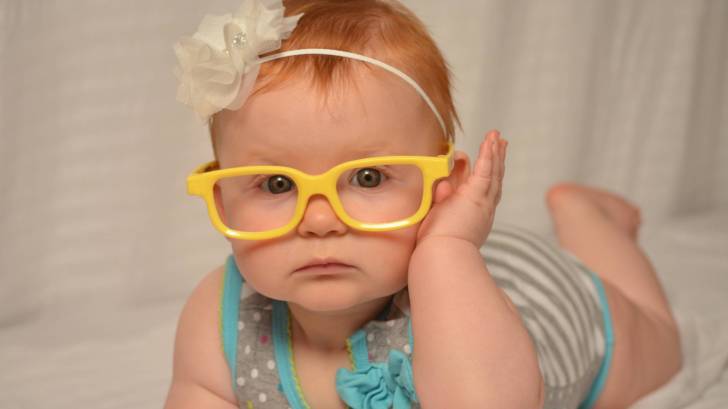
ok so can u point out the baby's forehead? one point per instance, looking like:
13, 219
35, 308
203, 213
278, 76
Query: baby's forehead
370, 119
322, 153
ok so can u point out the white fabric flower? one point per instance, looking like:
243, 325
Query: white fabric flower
218, 64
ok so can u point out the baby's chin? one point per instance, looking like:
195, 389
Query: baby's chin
336, 297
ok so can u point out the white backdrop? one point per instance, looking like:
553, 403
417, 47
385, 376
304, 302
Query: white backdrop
100, 245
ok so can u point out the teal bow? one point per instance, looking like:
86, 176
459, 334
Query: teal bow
380, 385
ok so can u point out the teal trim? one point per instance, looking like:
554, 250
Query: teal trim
359, 349
601, 379
412, 351
232, 286
283, 355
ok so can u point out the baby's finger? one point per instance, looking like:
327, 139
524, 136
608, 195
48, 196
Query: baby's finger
501, 169
504, 148
480, 181
494, 191
497, 142
501, 162
488, 156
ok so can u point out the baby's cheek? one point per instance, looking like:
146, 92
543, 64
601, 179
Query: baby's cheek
392, 252
261, 267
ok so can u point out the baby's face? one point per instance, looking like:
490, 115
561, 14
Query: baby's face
291, 126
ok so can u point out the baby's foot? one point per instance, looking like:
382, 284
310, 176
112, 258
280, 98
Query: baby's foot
567, 198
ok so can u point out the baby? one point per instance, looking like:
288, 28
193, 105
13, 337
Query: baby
365, 269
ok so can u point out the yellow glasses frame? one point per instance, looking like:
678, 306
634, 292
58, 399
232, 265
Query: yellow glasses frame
202, 181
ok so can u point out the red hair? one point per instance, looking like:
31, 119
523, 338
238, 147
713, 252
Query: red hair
381, 29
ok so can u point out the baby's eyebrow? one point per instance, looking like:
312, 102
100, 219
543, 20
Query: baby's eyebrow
265, 156
262, 160
286, 157
373, 151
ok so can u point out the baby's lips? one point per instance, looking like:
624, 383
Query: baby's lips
322, 261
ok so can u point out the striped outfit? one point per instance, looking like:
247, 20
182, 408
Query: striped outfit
561, 302
564, 308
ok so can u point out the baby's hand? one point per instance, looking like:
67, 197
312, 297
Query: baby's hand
468, 212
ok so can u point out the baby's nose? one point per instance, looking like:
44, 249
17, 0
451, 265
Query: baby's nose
320, 219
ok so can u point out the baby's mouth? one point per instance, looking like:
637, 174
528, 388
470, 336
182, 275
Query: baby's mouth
325, 267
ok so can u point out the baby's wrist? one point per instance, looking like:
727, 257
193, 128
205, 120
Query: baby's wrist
436, 252
443, 242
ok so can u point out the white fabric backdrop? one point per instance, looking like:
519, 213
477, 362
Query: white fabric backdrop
99, 242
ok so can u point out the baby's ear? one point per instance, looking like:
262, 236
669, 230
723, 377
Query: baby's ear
443, 188
461, 170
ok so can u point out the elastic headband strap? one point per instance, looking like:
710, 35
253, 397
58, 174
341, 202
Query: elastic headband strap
364, 58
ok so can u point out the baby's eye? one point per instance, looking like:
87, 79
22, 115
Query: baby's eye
368, 177
277, 184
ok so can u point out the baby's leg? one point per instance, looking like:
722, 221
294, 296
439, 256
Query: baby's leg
600, 229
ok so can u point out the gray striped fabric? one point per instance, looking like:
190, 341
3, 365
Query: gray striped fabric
559, 305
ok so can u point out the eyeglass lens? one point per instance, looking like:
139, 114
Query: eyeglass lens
378, 194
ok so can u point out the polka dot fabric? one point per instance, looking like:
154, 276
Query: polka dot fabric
258, 381
384, 336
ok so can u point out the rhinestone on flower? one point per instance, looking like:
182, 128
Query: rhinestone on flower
239, 40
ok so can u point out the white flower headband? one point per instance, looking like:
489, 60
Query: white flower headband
219, 64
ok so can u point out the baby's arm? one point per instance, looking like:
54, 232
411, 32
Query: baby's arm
200, 378
470, 343
471, 349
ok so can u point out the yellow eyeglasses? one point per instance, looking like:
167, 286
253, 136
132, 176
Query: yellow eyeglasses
371, 194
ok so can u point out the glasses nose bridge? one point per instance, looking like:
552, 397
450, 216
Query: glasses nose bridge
323, 184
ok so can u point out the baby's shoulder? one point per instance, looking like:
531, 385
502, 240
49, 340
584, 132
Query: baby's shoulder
198, 357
